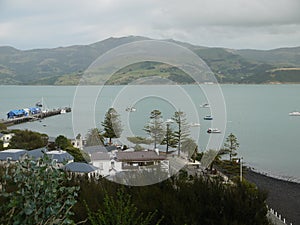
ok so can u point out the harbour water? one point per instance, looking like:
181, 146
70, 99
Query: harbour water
256, 114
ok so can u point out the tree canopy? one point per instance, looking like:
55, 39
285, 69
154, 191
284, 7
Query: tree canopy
231, 145
34, 192
112, 125
182, 132
155, 127
26, 139
94, 137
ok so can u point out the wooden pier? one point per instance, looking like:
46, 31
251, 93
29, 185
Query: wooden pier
30, 118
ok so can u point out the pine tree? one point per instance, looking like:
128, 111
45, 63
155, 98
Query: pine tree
231, 145
112, 125
169, 139
183, 129
94, 138
155, 127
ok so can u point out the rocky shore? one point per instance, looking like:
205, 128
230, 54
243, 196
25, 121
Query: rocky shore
283, 196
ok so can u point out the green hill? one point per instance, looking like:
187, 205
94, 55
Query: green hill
65, 65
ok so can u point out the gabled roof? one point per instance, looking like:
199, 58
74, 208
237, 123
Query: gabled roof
13, 154
1, 135
37, 153
98, 148
79, 167
100, 156
60, 156
139, 156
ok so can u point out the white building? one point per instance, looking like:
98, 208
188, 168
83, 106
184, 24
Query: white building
106, 164
6, 139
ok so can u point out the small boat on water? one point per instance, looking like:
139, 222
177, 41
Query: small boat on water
213, 130
295, 113
205, 105
208, 118
194, 124
130, 109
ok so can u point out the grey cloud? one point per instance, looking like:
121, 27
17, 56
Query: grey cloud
51, 23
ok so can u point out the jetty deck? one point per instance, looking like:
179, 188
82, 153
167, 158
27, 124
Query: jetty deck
30, 118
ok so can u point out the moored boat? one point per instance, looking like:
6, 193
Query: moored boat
213, 130
205, 105
130, 109
208, 118
295, 113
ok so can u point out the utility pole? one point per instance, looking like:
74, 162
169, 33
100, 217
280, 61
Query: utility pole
241, 169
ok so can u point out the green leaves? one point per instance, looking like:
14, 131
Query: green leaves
155, 127
112, 124
35, 194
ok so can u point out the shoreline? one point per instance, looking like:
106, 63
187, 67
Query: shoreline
270, 174
283, 195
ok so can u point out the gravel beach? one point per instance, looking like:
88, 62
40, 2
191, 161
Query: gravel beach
283, 196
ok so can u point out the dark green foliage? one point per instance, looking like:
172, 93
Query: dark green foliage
155, 127
1, 145
182, 131
79, 156
112, 125
62, 142
34, 192
231, 145
193, 201
26, 139
2, 127
119, 210
169, 138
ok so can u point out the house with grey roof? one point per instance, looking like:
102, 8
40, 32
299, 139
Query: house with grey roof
81, 168
141, 159
98, 148
37, 153
12, 155
60, 158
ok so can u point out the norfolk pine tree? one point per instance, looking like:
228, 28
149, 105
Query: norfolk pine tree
112, 125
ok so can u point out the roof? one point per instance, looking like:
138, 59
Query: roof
98, 148
1, 135
100, 156
80, 167
60, 156
139, 156
37, 153
14, 154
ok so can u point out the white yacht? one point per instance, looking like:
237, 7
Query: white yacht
295, 113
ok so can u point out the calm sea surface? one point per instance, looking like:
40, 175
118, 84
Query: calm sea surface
257, 114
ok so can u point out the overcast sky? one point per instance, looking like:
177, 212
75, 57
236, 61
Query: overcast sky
259, 24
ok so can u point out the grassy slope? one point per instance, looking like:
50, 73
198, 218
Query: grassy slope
65, 65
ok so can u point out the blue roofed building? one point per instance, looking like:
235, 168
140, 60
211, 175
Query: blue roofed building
16, 113
60, 158
37, 153
81, 168
12, 155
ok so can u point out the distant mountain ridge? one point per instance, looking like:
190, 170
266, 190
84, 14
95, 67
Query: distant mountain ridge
65, 65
